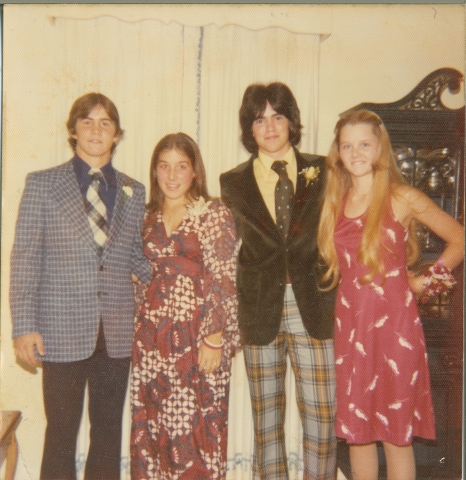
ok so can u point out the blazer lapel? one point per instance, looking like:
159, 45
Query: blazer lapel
66, 193
301, 164
306, 196
254, 208
303, 191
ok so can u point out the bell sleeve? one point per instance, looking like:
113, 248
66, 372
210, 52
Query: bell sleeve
220, 250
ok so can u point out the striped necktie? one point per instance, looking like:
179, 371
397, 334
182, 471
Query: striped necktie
96, 209
283, 197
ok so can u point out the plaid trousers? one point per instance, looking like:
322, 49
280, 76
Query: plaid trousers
312, 361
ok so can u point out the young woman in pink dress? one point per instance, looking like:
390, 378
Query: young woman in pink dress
186, 329
367, 239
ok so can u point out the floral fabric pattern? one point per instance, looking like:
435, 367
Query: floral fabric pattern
179, 428
383, 385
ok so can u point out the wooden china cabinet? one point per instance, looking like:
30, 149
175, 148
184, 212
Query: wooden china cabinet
428, 141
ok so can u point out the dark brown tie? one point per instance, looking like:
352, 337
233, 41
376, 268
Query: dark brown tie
283, 197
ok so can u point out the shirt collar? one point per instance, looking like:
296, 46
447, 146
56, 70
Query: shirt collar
82, 168
265, 162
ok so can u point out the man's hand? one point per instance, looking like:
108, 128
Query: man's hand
24, 348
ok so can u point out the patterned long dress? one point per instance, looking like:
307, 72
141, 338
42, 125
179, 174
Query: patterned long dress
179, 415
383, 386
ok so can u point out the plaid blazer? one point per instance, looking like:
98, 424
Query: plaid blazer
60, 286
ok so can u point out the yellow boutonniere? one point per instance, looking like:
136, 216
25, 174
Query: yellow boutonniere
310, 174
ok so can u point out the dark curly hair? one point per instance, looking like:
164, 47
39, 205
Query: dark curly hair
255, 100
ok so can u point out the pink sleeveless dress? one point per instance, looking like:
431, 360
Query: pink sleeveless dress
383, 384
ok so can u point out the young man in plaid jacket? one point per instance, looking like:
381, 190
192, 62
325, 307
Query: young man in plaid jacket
76, 248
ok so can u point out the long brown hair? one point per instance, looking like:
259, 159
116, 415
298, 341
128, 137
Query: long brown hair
186, 145
386, 178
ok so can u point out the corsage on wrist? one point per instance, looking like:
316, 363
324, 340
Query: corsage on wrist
214, 346
438, 280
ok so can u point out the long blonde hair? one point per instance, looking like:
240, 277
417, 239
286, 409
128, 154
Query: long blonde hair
386, 178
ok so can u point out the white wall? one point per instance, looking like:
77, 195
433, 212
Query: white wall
373, 54
379, 53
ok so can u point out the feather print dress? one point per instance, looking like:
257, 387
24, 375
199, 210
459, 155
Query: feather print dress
383, 384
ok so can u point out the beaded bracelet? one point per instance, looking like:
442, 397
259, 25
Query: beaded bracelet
438, 280
214, 346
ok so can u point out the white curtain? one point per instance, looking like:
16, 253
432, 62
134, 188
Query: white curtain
168, 77
232, 57
147, 68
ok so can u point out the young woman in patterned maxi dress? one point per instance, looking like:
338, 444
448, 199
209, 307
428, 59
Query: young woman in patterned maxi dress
186, 330
366, 239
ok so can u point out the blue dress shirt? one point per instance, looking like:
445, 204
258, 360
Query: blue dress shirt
107, 188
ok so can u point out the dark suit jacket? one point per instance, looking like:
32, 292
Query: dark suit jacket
265, 257
60, 286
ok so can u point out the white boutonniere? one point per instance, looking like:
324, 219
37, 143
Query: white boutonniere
127, 192
310, 174
197, 207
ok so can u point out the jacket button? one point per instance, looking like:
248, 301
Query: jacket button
101, 268
98, 294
